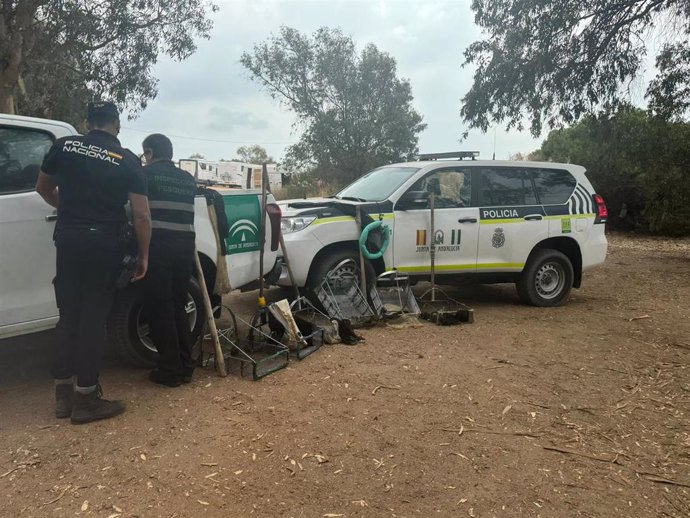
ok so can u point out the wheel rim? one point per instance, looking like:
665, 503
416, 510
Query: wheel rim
143, 329
343, 276
550, 280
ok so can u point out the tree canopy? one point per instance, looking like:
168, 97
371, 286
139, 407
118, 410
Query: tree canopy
254, 154
638, 162
354, 111
55, 54
549, 62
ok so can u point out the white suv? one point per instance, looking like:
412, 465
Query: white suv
27, 253
537, 224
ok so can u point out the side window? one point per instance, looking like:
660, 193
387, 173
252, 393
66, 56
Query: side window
21, 154
554, 186
506, 186
452, 189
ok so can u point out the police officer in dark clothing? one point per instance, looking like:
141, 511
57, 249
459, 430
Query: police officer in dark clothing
171, 194
89, 180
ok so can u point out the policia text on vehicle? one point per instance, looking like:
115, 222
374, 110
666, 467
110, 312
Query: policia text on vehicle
89, 180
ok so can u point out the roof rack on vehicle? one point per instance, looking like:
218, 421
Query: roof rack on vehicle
455, 155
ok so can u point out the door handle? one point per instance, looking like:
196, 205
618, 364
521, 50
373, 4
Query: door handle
51, 217
534, 217
467, 220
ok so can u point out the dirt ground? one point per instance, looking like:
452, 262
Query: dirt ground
576, 411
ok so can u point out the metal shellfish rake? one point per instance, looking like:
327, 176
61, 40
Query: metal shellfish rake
295, 326
435, 306
260, 354
342, 297
392, 295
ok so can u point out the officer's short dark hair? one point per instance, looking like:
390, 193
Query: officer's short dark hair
160, 146
101, 114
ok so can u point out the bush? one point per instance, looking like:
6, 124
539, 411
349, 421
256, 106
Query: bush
306, 185
638, 163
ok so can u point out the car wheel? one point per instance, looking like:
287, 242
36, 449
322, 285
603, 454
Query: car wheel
341, 268
129, 330
546, 280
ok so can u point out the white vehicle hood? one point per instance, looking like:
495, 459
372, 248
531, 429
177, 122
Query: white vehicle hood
308, 204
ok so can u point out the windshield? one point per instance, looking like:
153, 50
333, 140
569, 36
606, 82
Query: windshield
377, 185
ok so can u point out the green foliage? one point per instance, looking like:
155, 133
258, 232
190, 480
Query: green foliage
550, 62
355, 113
56, 55
636, 161
254, 155
307, 184
669, 92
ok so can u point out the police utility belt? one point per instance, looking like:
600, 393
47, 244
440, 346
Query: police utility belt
118, 234
118, 237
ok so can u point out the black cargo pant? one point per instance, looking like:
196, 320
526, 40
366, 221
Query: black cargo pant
166, 285
87, 262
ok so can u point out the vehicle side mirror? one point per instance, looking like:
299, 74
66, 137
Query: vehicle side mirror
412, 200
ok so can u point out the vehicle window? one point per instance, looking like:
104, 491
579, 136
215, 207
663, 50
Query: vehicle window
452, 189
506, 186
21, 154
377, 185
554, 186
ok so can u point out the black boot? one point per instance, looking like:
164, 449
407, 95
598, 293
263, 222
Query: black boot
63, 400
165, 378
91, 407
187, 375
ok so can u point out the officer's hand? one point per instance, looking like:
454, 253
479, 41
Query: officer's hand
142, 266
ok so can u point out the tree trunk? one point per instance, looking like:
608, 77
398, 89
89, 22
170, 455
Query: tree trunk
15, 33
9, 77
6, 94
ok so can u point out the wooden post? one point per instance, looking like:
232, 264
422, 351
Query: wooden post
220, 359
362, 267
264, 200
432, 247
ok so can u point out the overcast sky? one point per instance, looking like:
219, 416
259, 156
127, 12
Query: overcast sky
208, 105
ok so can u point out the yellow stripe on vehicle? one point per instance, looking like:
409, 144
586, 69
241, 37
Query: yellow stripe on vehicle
501, 221
337, 219
522, 220
571, 216
447, 267
334, 219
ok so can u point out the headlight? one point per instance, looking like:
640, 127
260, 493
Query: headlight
295, 223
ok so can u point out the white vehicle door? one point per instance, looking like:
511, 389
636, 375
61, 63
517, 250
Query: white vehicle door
511, 220
456, 224
27, 254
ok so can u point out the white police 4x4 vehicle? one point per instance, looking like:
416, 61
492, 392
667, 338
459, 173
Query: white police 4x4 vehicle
540, 225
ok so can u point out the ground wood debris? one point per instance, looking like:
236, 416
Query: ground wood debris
413, 422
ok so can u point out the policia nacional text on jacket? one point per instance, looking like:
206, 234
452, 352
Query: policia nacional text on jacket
89, 179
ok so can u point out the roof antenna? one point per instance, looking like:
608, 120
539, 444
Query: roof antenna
494, 156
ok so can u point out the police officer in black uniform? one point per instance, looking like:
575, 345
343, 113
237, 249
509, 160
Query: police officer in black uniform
171, 193
89, 180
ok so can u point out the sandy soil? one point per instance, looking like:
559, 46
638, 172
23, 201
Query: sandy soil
576, 411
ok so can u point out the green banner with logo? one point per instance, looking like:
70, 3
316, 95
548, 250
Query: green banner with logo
244, 220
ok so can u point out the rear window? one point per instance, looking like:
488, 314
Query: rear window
554, 186
506, 186
21, 155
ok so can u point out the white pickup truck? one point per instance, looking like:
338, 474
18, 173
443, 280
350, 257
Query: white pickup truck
27, 253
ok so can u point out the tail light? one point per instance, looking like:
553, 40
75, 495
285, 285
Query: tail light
274, 215
602, 211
